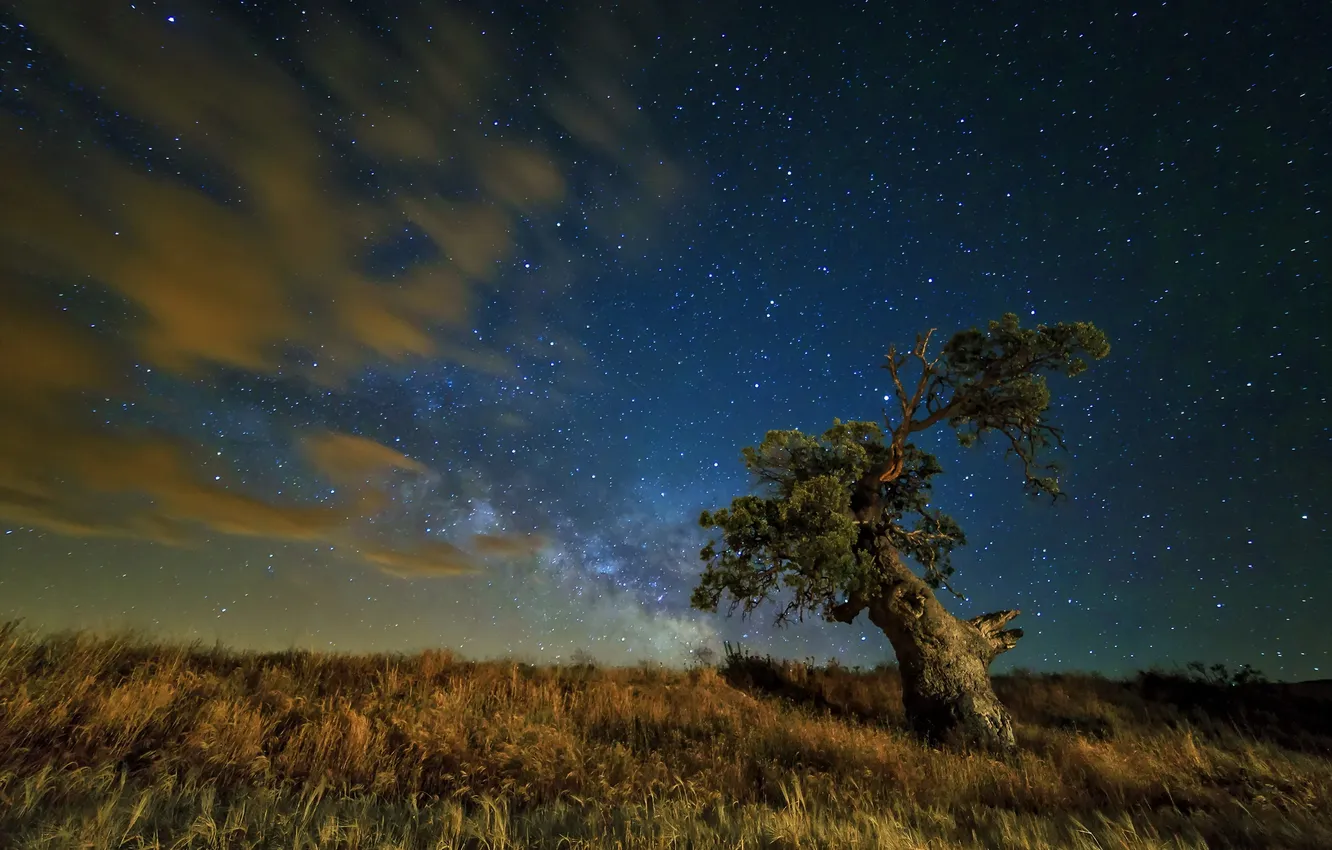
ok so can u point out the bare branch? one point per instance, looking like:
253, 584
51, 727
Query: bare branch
847, 611
1023, 443
1006, 640
926, 372
991, 628
990, 624
897, 448
898, 390
921, 537
944, 583
927, 389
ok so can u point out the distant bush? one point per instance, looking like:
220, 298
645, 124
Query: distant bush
703, 656
584, 659
1220, 676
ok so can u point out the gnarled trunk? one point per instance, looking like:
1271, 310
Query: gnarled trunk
945, 662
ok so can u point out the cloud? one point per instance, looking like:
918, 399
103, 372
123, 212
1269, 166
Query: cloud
428, 560
346, 459
436, 559
88, 483
234, 277
158, 479
146, 486
596, 106
508, 545
40, 357
240, 281
28, 508
249, 252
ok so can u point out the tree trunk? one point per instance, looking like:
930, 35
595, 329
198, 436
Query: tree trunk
945, 662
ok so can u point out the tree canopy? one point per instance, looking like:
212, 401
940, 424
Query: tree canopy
829, 506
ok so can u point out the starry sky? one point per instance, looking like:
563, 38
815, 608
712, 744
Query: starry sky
395, 325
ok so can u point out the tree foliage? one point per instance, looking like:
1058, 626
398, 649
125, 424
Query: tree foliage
828, 504
992, 382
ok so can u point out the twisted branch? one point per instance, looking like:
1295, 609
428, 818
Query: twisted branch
897, 449
991, 628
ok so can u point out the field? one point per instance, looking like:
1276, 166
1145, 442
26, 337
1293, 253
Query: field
119, 742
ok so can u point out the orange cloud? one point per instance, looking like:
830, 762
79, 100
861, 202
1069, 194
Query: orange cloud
508, 545
28, 508
90, 483
430, 560
346, 459
40, 357
268, 260
239, 283
232, 282
164, 491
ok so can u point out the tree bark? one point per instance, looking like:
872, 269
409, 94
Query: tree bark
945, 662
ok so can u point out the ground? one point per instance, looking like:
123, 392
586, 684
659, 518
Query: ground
120, 742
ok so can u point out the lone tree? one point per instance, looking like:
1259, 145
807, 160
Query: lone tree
839, 515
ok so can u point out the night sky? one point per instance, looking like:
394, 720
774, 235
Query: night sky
379, 327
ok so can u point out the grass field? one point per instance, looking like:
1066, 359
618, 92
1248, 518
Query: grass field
120, 742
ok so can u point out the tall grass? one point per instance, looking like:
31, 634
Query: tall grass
121, 742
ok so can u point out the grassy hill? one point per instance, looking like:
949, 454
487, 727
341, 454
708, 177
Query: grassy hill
120, 742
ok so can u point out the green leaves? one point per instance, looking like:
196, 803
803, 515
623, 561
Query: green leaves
831, 507
802, 535
1009, 351
992, 383
804, 542
845, 451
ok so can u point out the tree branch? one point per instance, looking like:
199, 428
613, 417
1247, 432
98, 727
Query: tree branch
929, 381
991, 628
1027, 453
847, 611
943, 582
989, 624
897, 448
1006, 640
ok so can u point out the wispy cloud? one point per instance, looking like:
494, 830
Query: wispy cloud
259, 265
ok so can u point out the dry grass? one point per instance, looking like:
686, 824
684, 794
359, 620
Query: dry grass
118, 742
